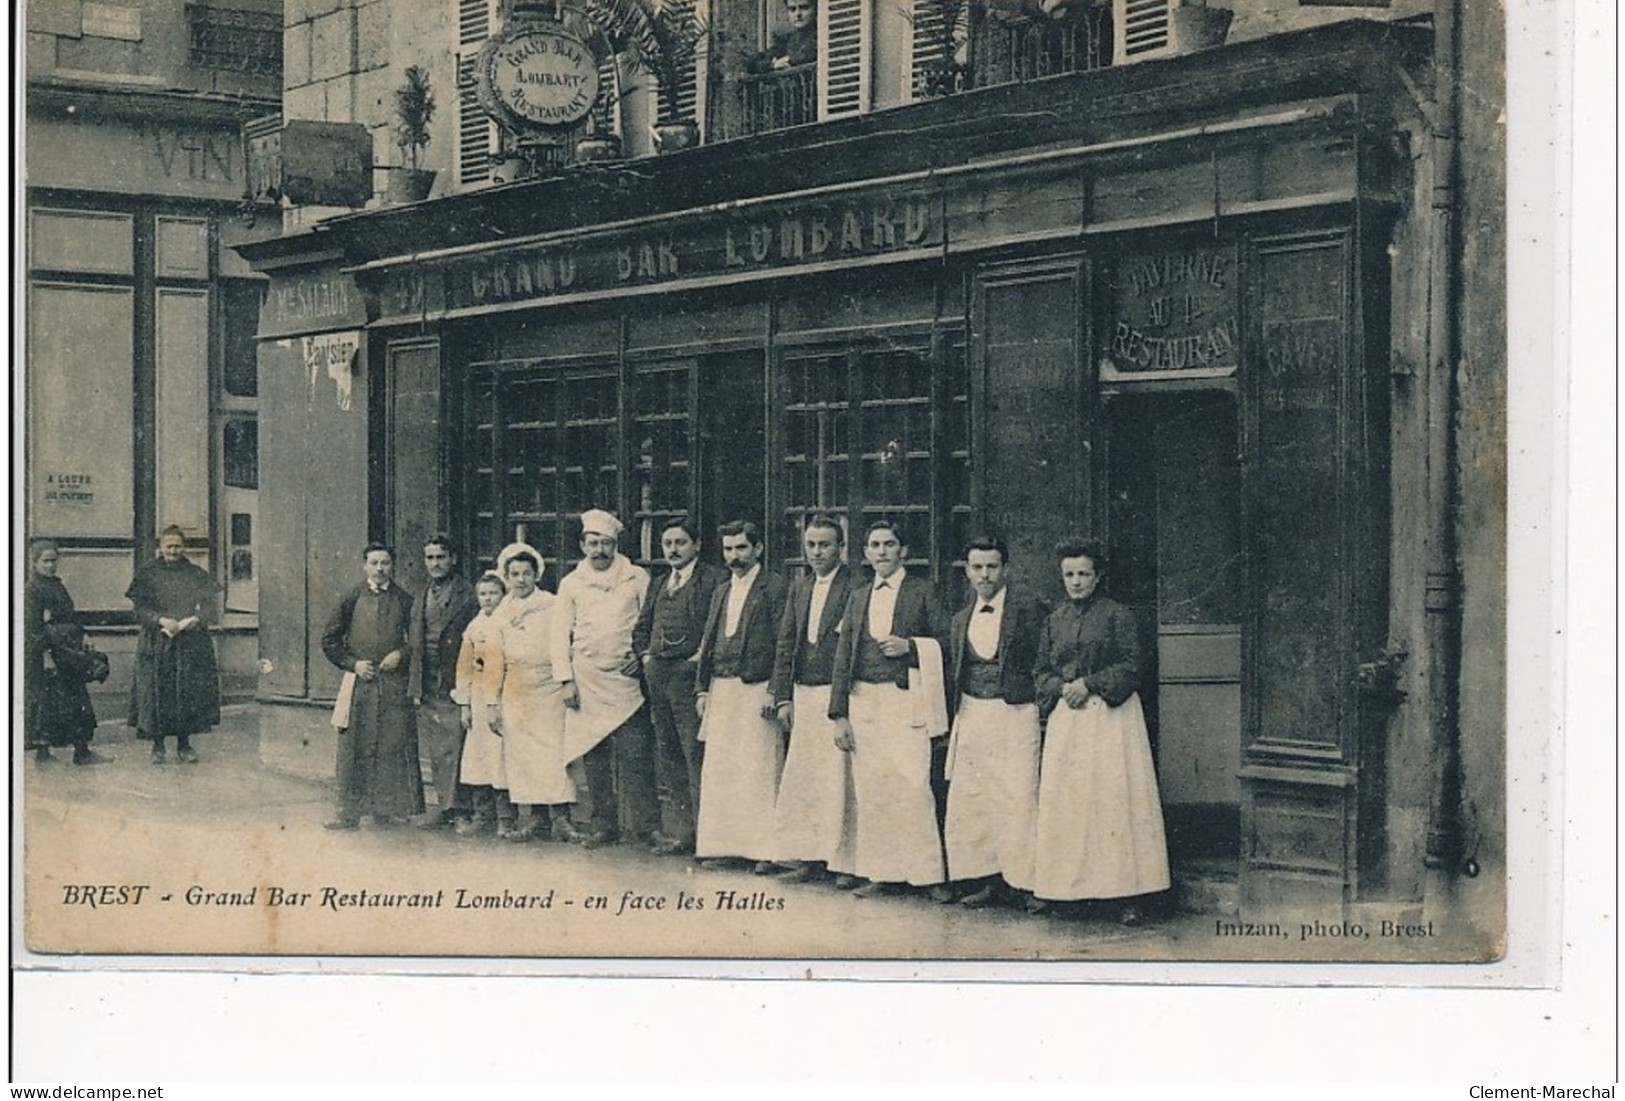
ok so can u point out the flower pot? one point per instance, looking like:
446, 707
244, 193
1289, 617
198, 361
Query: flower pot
1197, 28
598, 147
410, 185
675, 135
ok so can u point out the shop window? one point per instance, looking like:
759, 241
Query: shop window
240, 453
544, 447
239, 503
662, 451
879, 433
241, 303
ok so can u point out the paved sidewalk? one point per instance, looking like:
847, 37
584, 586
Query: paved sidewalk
235, 860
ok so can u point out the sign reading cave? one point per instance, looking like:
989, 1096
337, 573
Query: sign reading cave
1176, 311
537, 77
740, 245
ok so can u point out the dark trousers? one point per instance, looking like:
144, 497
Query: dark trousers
490, 804
621, 779
440, 742
679, 753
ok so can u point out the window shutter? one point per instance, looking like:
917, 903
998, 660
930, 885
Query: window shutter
688, 91
1142, 29
846, 42
930, 54
477, 136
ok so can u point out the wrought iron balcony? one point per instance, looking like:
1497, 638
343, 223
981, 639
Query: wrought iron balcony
759, 102
989, 46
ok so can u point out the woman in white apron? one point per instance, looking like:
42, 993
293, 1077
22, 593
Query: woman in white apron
527, 709
1100, 832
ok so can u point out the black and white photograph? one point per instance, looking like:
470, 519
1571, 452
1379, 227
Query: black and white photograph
1012, 482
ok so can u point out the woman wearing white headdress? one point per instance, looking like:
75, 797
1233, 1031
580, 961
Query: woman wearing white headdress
528, 707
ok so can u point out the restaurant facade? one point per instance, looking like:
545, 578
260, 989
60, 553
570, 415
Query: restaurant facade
1198, 307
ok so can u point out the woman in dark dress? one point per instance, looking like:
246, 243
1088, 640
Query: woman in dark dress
57, 709
1100, 833
177, 685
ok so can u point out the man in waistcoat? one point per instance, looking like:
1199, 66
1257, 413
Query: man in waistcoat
606, 725
886, 718
815, 815
744, 745
377, 759
439, 614
666, 640
993, 752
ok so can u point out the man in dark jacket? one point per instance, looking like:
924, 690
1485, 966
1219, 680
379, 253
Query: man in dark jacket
666, 640
744, 746
815, 815
377, 761
886, 726
439, 615
993, 755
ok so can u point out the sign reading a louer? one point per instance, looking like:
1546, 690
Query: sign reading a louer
530, 76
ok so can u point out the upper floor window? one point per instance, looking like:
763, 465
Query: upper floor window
234, 39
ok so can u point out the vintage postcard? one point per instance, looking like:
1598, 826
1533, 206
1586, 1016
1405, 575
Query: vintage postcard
695, 483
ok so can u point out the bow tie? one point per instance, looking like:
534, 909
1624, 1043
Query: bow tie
985, 608
882, 584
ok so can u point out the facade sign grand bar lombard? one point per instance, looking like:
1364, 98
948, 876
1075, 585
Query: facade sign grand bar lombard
723, 248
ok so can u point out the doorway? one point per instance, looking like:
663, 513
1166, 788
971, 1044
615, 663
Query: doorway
1173, 497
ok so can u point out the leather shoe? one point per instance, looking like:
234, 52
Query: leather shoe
90, 757
845, 882
941, 894
1130, 916
764, 867
186, 755
527, 829
798, 874
717, 864
671, 846
872, 889
979, 898
42, 756
592, 839
1036, 906
431, 820
565, 831
342, 824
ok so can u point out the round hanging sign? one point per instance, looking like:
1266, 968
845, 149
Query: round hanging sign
537, 77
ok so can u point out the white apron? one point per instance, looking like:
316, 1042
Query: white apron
815, 817
1100, 831
534, 755
739, 779
479, 664
993, 791
891, 774
595, 617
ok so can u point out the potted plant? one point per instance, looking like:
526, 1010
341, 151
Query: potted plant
1192, 26
414, 110
653, 36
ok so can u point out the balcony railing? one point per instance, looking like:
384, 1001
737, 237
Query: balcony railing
760, 102
994, 46
1010, 51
